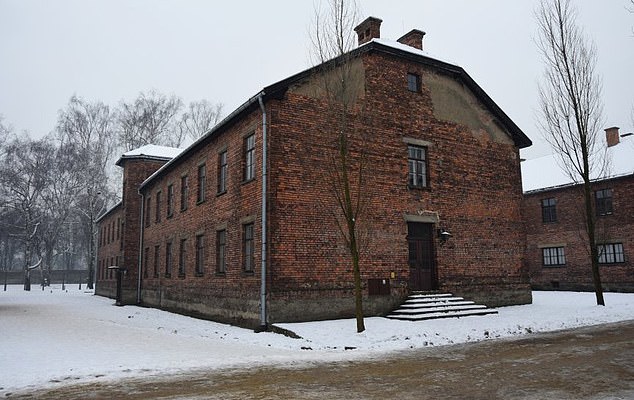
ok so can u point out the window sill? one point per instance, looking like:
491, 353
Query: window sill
248, 273
199, 202
221, 274
168, 275
248, 181
554, 266
410, 187
199, 274
181, 276
221, 193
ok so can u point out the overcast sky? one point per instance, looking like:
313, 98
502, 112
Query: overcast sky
226, 51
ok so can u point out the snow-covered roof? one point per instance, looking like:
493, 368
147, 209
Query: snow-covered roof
408, 49
154, 151
547, 172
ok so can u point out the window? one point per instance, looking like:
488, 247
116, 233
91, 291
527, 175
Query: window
146, 261
200, 254
202, 178
248, 252
417, 166
221, 242
148, 212
157, 250
413, 82
603, 200
549, 210
249, 157
118, 228
182, 257
553, 256
157, 217
168, 259
184, 192
170, 200
611, 253
222, 172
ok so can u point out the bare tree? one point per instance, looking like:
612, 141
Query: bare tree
87, 140
60, 200
24, 175
149, 119
333, 38
199, 118
571, 109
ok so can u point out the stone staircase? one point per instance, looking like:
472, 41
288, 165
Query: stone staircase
420, 306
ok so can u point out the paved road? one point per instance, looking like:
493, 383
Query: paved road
587, 363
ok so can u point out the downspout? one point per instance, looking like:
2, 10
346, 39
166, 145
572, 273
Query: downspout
263, 319
140, 258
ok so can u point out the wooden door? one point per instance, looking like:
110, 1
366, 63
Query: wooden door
422, 273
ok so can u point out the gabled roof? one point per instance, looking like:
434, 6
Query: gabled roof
150, 152
396, 49
547, 172
109, 211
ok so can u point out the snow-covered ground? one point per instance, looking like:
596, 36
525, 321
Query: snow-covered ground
55, 337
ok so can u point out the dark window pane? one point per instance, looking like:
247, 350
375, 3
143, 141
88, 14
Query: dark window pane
202, 182
248, 256
222, 172
417, 166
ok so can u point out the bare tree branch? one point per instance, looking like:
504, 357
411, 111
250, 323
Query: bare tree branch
332, 36
571, 108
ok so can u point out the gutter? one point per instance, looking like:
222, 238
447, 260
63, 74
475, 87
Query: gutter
263, 316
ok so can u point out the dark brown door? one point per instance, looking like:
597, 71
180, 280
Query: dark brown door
422, 274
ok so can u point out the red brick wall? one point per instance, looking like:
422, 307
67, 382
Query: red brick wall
205, 295
569, 232
109, 250
135, 171
475, 189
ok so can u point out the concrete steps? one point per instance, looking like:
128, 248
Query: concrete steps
420, 306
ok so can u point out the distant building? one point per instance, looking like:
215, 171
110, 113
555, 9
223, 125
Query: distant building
557, 253
118, 241
443, 161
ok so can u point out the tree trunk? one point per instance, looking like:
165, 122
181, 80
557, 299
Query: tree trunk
594, 252
27, 280
358, 292
92, 250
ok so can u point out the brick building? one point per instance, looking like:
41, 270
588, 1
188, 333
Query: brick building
118, 241
240, 226
557, 253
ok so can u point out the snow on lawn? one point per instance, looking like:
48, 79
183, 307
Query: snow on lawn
57, 337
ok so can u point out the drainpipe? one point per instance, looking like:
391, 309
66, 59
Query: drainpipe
140, 258
263, 322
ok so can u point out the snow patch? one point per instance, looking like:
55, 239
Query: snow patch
55, 337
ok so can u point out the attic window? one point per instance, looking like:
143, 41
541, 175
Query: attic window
413, 82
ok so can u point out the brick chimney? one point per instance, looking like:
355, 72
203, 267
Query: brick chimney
413, 38
368, 30
612, 136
